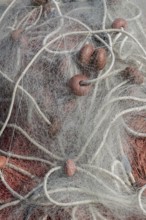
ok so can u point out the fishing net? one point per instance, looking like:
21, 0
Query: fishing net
72, 110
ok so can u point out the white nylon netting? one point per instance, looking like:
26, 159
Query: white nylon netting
43, 122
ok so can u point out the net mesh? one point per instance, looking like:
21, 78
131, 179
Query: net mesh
72, 110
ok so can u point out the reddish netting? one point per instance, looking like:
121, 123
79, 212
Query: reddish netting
137, 150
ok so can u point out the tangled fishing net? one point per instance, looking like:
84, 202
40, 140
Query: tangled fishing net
72, 110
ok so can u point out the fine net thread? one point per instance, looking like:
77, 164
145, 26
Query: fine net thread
111, 180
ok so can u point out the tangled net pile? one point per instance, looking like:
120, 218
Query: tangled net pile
72, 110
